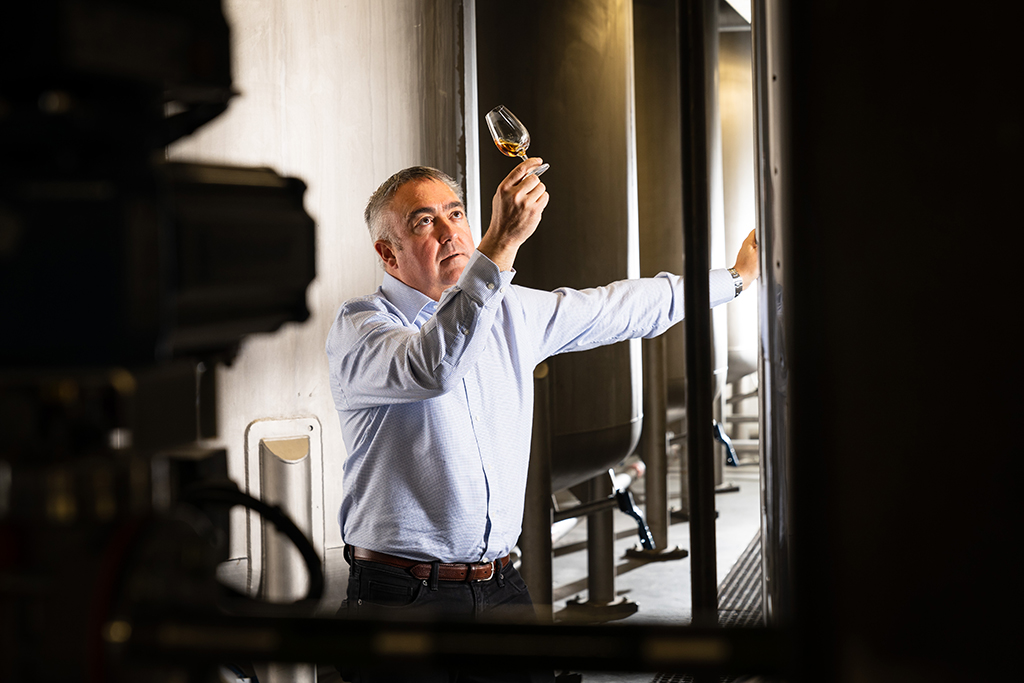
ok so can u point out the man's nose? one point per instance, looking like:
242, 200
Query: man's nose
445, 230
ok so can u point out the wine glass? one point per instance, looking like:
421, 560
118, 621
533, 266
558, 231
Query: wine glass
510, 135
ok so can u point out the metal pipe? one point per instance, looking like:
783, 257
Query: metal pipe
586, 509
654, 442
682, 513
621, 499
286, 479
698, 34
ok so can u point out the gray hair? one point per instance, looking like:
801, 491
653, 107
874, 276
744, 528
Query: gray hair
377, 221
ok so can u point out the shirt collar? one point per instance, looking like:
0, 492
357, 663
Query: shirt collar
409, 301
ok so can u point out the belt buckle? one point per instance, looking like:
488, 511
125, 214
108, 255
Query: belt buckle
489, 576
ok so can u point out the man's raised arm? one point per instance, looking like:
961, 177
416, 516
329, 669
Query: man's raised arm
515, 213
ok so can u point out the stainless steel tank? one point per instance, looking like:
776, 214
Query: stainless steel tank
659, 172
565, 69
660, 182
771, 60
659, 160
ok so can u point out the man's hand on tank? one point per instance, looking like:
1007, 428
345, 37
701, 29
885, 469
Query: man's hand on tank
748, 263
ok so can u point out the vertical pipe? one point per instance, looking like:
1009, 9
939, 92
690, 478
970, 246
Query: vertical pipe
697, 29
286, 479
286, 482
654, 444
535, 542
600, 546
682, 513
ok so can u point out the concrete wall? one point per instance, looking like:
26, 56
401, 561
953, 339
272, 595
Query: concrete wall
341, 95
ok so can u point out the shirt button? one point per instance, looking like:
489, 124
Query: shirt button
490, 285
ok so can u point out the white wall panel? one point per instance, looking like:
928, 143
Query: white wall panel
341, 95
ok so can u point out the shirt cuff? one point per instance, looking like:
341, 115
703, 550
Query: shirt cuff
721, 287
483, 280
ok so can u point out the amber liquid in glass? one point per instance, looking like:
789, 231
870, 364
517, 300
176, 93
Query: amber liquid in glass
513, 148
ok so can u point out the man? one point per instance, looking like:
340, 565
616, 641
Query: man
432, 377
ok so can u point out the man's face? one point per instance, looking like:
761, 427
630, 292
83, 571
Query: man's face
434, 240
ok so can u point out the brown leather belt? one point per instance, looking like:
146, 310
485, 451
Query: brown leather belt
446, 571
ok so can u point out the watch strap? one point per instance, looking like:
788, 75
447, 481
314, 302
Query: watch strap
737, 280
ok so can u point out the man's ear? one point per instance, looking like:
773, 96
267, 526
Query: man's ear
386, 253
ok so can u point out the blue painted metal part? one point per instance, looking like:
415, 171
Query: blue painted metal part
730, 452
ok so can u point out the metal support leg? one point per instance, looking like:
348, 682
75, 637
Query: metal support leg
535, 541
600, 550
601, 603
682, 512
654, 450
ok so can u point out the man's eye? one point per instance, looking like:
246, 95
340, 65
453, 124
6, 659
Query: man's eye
457, 215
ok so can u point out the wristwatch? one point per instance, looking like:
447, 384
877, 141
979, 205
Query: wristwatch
737, 280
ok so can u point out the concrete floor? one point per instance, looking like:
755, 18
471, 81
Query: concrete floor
660, 589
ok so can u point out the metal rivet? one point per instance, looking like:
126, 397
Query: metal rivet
359, 602
424, 582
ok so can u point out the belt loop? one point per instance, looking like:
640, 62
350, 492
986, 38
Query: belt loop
347, 554
496, 567
434, 568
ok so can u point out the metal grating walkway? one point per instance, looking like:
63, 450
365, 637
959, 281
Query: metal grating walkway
739, 596
739, 601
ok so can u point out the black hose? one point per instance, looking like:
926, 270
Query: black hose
229, 494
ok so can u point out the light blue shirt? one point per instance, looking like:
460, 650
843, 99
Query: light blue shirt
436, 399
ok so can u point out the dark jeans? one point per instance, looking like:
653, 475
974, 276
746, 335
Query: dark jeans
379, 590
